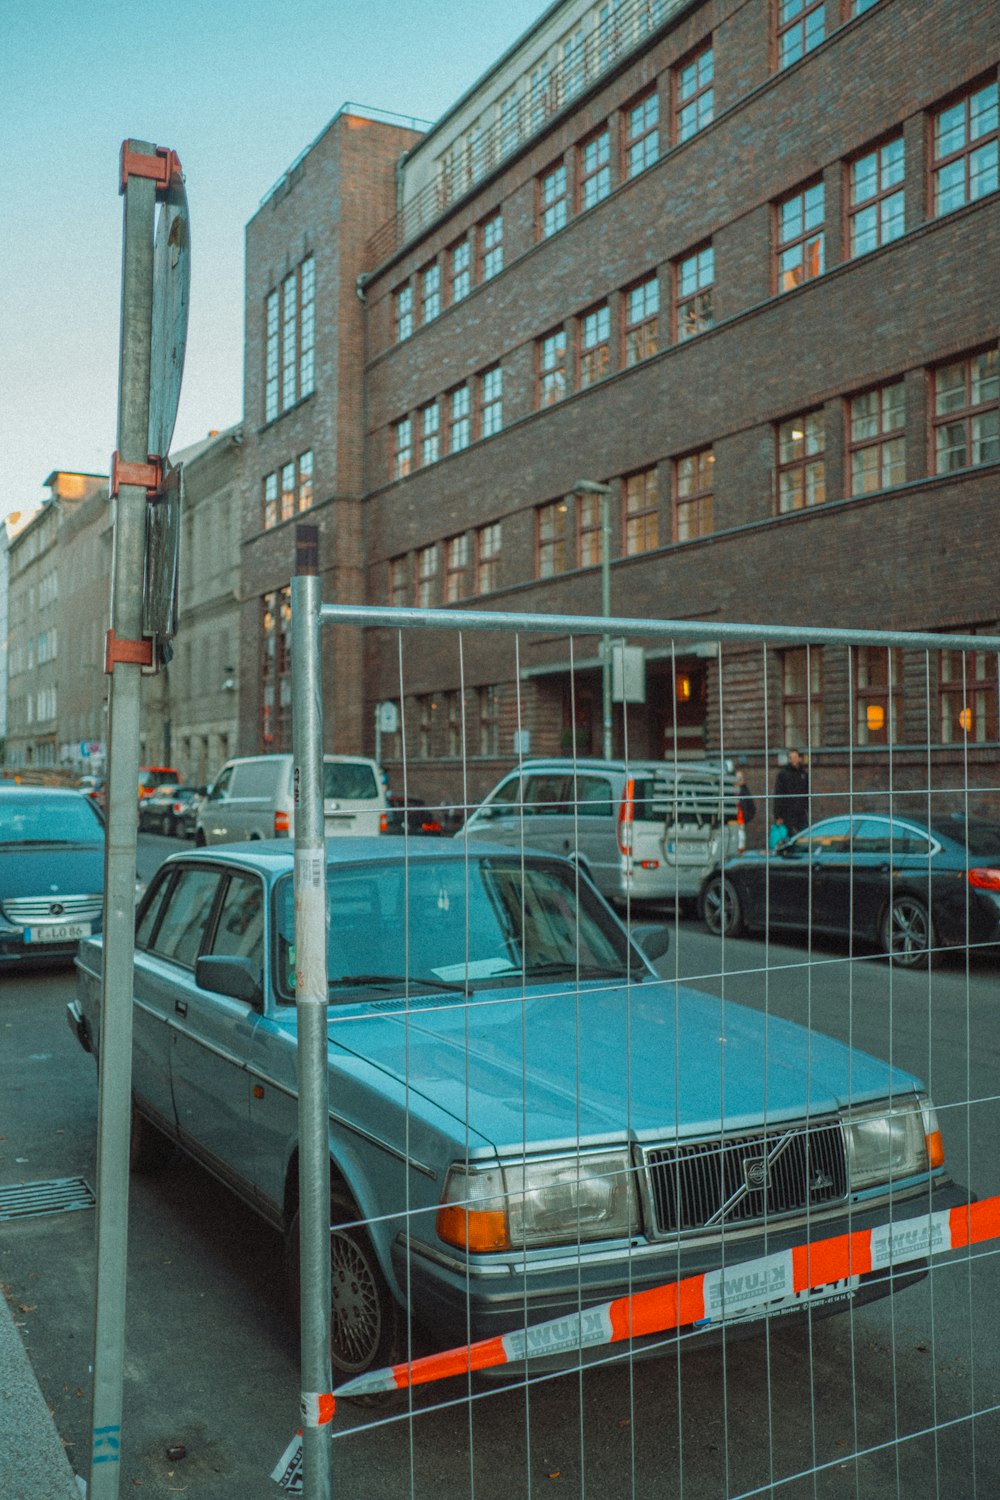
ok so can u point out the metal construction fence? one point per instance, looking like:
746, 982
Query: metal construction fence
725, 1229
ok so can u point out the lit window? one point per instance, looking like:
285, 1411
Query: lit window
402, 448
802, 695
491, 402
551, 368
305, 477
966, 419
800, 28
430, 433
642, 307
802, 461
430, 292
875, 208
595, 169
878, 692
553, 207
456, 562
968, 689
427, 571
460, 271
488, 544
459, 419
642, 512
694, 94
800, 237
287, 501
642, 134
550, 539
877, 444
694, 279
595, 345
404, 313
964, 150
694, 495
491, 240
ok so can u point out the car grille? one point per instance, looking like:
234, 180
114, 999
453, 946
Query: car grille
26, 909
746, 1179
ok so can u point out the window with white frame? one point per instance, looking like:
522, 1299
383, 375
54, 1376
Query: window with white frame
802, 461
877, 438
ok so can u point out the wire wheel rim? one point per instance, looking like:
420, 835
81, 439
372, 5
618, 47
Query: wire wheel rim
355, 1305
909, 931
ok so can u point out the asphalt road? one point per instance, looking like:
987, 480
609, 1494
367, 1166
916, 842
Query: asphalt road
911, 1384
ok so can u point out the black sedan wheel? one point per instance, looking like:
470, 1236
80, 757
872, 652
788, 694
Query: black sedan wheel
907, 933
721, 909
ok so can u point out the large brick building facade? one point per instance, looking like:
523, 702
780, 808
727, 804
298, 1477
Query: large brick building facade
737, 261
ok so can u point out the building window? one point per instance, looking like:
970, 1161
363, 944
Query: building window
460, 271
694, 279
453, 710
491, 242
609, 33
425, 724
553, 202
456, 564
642, 320
508, 113
491, 402
799, 28
488, 705
430, 292
802, 696
402, 448
967, 412
488, 544
878, 691
276, 679
693, 497
397, 582
875, 208
272, 513
858, 7
694, 94
964, 151
551, 368
550, 539
595, 345
642, 135
459, 419
290, 340
289, 491
642, 512
590, 529
540, 95
800, 237
968, 691
430, 433
877, 444
595, 169
802, 461
305, 480
427, 571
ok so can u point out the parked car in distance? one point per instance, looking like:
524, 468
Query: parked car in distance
152, 777
525, 1120
643, 830
251, 798
413, 816
171, 810
896, 885
51, 873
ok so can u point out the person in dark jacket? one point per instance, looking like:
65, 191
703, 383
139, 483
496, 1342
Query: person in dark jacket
790, 803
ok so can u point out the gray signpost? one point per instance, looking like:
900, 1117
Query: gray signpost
155, 280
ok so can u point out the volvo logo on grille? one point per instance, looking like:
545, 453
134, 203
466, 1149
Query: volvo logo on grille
56, 909
755, 1172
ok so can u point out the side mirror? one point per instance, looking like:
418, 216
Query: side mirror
653, 941
239, 978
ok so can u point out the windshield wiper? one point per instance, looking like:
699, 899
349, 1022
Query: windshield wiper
396, 981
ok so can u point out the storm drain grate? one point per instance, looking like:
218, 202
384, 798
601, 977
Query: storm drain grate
60, 1195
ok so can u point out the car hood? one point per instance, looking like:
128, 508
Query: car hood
589, 1064
51, 869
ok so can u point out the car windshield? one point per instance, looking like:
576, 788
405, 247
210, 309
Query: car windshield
434, 925
49, 820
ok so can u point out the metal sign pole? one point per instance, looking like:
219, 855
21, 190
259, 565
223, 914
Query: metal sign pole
311, 995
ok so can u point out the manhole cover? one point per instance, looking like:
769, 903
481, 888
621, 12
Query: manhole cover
29, 1200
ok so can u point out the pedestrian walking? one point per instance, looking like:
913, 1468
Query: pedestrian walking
790, 803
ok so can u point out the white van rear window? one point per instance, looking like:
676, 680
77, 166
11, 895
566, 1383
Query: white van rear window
348, 780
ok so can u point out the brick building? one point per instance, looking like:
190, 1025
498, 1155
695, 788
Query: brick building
735, 260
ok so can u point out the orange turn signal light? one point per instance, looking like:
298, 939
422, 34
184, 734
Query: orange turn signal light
935, 1149
475, 1229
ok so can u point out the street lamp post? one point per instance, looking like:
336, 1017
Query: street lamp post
605, 491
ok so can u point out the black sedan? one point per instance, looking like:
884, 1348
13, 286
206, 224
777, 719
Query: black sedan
903, 888
171, 810
51, 873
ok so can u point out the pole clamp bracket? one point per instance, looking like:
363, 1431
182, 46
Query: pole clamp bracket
148, 476
161, 167
135, 653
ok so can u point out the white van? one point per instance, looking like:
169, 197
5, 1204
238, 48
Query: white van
643, 830
251, 798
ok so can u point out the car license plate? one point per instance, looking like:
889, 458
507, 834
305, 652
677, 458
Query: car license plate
57, 932
693, 851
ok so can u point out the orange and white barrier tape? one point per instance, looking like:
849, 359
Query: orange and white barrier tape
827, 1268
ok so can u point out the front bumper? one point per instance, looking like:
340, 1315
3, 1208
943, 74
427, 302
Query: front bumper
459, 1302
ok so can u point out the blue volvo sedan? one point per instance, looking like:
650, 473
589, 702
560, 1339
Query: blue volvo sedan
526, 1121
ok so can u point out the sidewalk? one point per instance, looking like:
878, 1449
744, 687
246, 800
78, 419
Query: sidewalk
33, 1463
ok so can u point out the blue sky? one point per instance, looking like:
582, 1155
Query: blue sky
237, 90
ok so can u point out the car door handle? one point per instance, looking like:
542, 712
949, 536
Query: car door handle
180, 1006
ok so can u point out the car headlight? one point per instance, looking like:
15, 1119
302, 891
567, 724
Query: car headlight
892, 1142
525, 1205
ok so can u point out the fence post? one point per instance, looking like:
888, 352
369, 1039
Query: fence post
311, 1006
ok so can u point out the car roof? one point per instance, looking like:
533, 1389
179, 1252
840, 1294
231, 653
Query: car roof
274, 856
657, 767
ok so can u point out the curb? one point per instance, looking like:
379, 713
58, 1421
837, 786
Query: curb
33, 1462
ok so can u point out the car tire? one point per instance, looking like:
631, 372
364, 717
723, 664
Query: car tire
907, 933
365, 1320
721, 910
149, 1149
